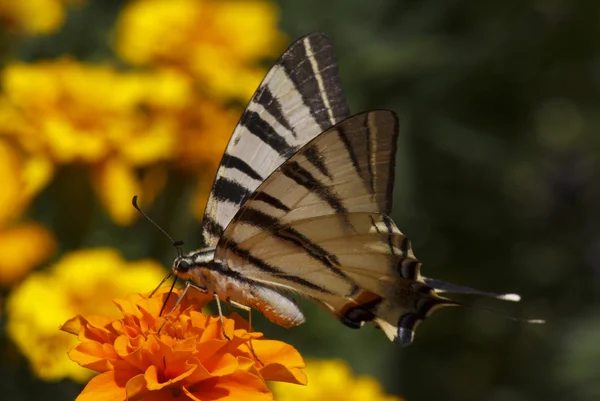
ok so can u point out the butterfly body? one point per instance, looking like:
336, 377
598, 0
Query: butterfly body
216, 277
301, 204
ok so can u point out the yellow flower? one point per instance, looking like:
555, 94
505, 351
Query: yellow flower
223, 40
34, 16
193, 358
118, 123
332, 380
22, 175
87, 113
82, 282
23, 245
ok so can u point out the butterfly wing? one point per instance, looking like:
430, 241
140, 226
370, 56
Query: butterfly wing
299, 98
319, 226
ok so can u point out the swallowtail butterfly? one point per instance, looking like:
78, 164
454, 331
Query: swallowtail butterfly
301, 203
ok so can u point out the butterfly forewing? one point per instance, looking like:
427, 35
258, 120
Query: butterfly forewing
348, 168
300, 97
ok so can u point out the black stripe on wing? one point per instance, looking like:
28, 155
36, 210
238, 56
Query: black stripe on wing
271, 104
313, 155
270, 269
240, 165
349, 148
313, 71
266, 133
271, 201
226, 190
303, 177
212, 227
290, 235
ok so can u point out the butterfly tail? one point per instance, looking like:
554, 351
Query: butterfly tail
398, 320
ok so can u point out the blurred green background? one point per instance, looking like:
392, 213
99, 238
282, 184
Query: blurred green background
497, 187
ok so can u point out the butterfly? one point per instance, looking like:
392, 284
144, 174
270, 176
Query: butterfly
301, 204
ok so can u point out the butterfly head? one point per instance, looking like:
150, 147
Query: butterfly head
184, 265
181, 266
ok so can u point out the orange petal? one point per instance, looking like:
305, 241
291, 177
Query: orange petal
132, 351
281, 373
89, 328
199, 374
153, 382
126, 307
73, 325
93, 355
136, 387
273, 351
213, 328
240, 386
221, 365
103, 387
98, 328
165, 394
175, 362
282, 361
206, 349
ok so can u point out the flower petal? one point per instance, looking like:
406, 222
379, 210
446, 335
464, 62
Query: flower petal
221, 365
282, 361
154, 382
240, 386
94, 356
103, 387
136, 387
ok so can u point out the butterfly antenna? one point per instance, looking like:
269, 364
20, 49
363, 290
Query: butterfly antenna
442, 286
501, 314
176, 244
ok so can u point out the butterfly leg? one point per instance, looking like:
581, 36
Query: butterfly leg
221, 316
188, 285
249, 310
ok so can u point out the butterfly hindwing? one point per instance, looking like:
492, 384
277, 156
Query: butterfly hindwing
299, 98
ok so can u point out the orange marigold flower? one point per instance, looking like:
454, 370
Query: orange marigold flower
190, 359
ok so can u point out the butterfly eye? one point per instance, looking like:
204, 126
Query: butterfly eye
182, 266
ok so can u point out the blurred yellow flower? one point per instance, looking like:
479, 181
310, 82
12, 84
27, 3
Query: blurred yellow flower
223, 40
87, 113
332, 380
23, 245
22, 175
34, 16
115, 122
83, 282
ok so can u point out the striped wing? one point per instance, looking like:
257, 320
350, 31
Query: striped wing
364, 274
322, 257
319, 226
299, 98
